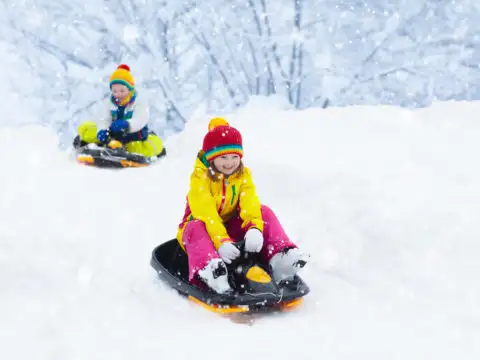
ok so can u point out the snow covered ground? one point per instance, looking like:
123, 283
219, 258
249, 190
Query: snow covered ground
386, 200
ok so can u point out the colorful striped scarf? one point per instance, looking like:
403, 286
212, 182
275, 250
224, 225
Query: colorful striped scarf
123, 109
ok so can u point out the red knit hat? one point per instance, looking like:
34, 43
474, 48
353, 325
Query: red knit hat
221, 139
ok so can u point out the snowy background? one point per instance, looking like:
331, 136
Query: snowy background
385, 198
216, 54
388, 210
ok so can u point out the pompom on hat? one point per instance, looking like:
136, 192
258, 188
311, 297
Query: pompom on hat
122, 76
221, 139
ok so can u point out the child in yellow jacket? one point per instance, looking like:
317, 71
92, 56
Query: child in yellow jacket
123, 118
223, 208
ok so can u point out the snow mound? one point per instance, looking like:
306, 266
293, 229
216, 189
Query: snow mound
386, 200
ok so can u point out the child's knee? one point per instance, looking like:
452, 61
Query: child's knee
196, 234
267, 212
156, 144
196, 227
151, 147
88, 131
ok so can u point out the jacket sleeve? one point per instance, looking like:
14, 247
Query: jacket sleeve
203, 207
250, 206
105, 119
140, 116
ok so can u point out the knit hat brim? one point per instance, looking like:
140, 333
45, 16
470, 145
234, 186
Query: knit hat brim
211, 154
122, 82
122, 76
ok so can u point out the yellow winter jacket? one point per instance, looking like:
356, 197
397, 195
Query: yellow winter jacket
215, 202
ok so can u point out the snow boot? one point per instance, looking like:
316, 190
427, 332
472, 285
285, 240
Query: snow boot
287, 263
215, 275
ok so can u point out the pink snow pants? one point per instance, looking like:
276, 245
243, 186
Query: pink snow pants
200, 249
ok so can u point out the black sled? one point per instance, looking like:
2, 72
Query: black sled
254, 289
113, 156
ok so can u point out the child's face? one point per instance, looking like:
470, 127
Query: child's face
227, 164
119, 91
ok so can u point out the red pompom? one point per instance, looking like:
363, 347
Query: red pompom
124, 67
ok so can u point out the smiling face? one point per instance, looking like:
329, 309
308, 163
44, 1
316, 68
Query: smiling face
119, 91
227, 164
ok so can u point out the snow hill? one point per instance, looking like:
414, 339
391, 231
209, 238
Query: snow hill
386, 200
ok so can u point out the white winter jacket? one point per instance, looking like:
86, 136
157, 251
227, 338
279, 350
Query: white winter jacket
139, 118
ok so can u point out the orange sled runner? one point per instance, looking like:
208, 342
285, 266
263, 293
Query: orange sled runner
254, 288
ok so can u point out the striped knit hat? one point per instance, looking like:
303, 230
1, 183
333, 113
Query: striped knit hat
221, 139
122, 76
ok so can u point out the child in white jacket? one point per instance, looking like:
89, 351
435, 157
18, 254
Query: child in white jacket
125, 118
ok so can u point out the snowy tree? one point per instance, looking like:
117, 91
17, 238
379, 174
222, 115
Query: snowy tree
217, 54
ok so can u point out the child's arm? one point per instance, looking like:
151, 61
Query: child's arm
250, 206
203, 207
105, 118
140, 116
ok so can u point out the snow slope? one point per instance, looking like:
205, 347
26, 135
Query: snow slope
386, 200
